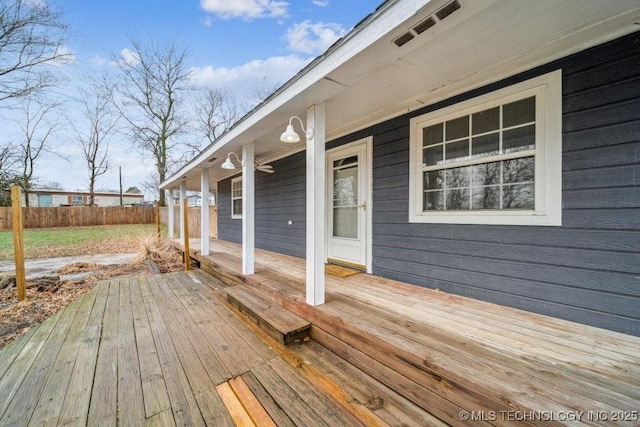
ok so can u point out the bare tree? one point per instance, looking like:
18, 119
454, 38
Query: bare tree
155, 78
31, 35
8, 173
36, 127
98, 121
216, 111
263, 89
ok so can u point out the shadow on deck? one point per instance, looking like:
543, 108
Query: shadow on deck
459, 359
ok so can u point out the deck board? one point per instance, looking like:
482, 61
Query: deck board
104, 396
75, 408
55, 388
23, 404
154, 389
469, 354
155, 350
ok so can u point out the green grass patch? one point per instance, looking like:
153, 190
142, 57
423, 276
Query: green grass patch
57, 242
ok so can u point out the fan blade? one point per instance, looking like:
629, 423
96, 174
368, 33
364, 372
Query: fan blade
265, 168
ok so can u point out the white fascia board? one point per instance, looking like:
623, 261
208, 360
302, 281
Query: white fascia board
380, 23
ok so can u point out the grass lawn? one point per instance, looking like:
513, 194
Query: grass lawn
59, 242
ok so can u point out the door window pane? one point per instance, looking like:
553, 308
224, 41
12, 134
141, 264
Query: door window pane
345, 186
345, 222
345, 198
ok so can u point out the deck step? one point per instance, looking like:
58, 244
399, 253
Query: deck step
275, 320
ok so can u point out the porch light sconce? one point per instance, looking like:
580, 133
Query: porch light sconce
290, 136
228, 164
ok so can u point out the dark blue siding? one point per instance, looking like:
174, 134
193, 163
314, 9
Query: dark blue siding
280, 198
586, 271
228, 229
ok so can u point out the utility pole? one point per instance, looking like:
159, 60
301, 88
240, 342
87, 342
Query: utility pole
120, 172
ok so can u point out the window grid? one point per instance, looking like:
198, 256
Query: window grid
469, 161
236, 197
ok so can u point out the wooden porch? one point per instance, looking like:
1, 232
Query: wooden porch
167, 350
462, 360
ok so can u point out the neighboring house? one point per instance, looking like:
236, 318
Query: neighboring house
49, 198
486, 148
195, 200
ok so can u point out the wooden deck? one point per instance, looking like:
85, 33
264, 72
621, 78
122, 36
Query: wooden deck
166, 350
452, 355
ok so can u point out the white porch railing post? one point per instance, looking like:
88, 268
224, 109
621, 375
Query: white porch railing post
204, 212
183, 195
248, 209
315, 205
171, 219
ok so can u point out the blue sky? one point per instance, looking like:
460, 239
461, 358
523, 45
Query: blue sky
234, 44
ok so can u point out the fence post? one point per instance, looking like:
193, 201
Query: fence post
158, 218
185, 223
18, 242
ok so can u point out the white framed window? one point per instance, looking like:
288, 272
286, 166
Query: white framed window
236, 198
494, 159
76, 200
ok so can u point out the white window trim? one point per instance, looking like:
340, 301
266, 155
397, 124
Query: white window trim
233, 181
548, 172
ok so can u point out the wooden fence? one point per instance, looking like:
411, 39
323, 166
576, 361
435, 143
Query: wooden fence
194, 220
79, 216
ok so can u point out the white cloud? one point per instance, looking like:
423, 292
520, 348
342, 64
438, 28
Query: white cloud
313, 38
320, 3
98, 60
207, 21
129, 57
245, 9
245, 78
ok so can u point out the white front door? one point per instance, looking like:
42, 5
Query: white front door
347, 205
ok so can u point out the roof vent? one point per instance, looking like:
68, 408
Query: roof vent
406, 37
424, 25
448, 9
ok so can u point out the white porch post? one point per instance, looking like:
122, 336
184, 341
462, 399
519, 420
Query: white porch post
183, 195
315, 205
171, 220
204, 212
248, 210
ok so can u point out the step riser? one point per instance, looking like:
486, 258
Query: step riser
285, 338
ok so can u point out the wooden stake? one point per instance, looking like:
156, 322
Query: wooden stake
158, 218
187, 257
18, 242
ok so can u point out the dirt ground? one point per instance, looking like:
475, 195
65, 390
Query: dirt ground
48, 294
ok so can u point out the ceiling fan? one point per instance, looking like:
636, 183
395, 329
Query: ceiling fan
264, 168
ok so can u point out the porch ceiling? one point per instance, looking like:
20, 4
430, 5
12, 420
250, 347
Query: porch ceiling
366, 78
